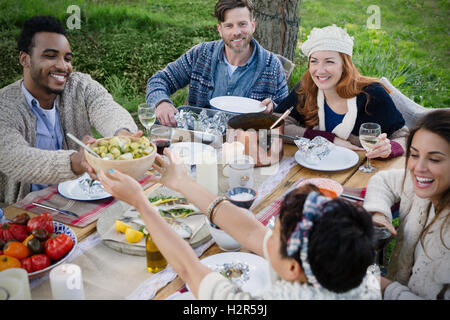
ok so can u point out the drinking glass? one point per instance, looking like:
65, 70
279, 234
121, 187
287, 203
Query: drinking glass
161, 136
368, 136
146, 115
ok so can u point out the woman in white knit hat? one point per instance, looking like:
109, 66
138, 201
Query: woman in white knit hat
333, 99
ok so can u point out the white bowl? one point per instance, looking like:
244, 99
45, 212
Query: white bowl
223, 240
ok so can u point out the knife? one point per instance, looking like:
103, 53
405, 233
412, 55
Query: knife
70, 213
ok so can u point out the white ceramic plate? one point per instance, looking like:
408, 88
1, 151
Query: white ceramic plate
340, 158
190, 152
236, 104
72, 190
255, 278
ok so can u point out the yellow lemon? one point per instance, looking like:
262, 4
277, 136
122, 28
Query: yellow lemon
133, 236
121, 226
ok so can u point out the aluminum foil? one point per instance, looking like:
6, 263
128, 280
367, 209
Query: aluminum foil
312, 151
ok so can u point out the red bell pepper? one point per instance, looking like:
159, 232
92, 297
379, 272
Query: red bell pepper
58, 245
44, 221
36, 262
12, 231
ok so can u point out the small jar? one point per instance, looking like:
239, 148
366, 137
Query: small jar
241, 172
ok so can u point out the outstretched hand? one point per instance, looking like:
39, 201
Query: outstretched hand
173, 172
122, 186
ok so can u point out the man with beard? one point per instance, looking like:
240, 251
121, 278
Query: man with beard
39, 110
234, 66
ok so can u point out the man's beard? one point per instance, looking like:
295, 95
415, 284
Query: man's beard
39, 80
243, 48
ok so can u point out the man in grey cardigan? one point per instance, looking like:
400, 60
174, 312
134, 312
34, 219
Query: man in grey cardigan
234, 66
38, 110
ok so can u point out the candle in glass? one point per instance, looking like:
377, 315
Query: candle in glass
66, 282
14, 284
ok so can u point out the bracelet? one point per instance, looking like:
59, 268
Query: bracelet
213, 213
213, 205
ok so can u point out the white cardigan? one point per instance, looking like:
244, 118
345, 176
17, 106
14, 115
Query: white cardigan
418, 272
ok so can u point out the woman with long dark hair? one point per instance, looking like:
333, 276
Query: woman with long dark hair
333, 99
419, 266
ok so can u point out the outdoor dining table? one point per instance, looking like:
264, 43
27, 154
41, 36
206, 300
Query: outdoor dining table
351, 179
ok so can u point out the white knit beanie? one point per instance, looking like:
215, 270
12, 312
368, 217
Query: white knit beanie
331, 38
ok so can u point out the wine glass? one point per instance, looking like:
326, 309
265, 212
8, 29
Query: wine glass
161, 136
368, 136
146, 115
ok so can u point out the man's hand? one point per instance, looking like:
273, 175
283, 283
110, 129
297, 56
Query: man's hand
78, 161
165, 113
269, 105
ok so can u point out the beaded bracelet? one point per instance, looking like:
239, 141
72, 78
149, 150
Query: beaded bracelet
213, 205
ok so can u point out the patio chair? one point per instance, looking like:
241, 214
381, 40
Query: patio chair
410, 110
287, 64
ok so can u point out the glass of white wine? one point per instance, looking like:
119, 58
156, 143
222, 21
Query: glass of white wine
368, 136
146, 115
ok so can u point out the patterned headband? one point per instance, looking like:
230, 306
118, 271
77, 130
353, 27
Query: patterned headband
312, 211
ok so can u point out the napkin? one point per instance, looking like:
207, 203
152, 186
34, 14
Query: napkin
88, 211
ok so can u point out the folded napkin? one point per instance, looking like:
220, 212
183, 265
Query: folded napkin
88, 211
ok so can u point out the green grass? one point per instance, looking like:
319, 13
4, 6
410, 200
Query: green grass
122, 44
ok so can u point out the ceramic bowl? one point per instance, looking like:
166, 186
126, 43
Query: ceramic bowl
58, 228
237, 195
223, 240
135, 168
328, 187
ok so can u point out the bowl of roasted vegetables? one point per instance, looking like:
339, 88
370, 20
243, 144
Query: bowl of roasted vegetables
36, 244
130, 155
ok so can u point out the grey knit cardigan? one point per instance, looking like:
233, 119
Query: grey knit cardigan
83, 104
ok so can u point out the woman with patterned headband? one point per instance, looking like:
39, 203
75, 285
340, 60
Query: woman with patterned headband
319, 249
333, 99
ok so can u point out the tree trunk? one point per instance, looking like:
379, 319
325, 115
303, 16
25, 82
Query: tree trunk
277, 24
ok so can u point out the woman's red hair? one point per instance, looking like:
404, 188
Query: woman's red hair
350, 85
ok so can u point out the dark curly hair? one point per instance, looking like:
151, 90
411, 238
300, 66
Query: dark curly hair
341, 243
34, 25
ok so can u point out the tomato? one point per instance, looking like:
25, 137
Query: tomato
44, 221
36, 262
12, 231
58, 245
16, 249
7, 262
